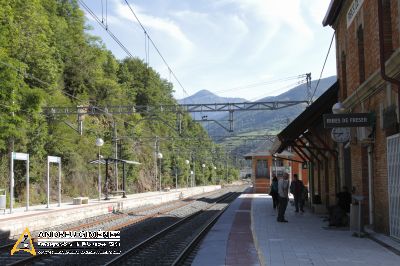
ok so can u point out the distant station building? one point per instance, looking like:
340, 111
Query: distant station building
265, 165
366, 158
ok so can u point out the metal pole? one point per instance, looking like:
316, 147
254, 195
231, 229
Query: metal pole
48, 182
116, 155
11, 181
160, 176
59, 183
27, 183
106, 198
370, 186
194, 174
123, 180
359, 218
226, 167
99, 176
187, 177
176, 177
155, 162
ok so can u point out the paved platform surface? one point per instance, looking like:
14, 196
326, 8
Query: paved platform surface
237, 239
230, 241
304, 240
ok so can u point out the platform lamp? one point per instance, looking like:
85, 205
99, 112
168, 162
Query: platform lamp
99, 143
338, 108
187, 162
160, 156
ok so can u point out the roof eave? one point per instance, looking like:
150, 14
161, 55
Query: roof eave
332, 13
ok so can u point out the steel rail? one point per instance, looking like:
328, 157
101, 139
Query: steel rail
126, 255
193, 244
29, 259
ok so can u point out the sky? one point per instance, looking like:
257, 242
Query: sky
234, 48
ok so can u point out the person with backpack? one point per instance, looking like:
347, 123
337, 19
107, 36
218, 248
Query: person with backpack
274, 192
283, 191
297, 190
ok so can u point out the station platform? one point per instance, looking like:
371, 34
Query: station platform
248, 234
40, 217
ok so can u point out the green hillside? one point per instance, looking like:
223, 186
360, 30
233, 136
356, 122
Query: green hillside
47, 58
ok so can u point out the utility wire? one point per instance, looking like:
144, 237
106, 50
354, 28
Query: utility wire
323, 67
105, 27
279, 89
155, 47
27, 75
257, 84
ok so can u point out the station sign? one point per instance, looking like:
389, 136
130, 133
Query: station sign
53, 159
20, 156
353, 10
348, 120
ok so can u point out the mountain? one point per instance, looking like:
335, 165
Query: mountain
264, 122
205, 96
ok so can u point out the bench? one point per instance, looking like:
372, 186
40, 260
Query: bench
80, 200
118, 192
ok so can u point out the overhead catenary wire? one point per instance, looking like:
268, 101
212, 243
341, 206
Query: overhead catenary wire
278, 89
253, 85
156, 48
105, 27
263, 83
323, 66
103, 22
27, 75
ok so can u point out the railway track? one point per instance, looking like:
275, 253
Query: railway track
119, 221
174, 244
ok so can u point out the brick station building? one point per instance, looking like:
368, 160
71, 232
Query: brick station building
368, 65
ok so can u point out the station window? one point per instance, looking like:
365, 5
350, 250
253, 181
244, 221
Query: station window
387, 28
262, 169
361, 57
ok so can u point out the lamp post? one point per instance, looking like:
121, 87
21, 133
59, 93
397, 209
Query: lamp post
203, 166
187, 162
160, 156
215, 170
99, 143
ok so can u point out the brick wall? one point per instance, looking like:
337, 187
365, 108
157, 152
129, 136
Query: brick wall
347, 43
380, 182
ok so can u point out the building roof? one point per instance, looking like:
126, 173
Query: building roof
333, 11
311, 116
266, 153
113, 160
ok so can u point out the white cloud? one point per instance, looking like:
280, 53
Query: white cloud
222, 44
164, 25
317, 9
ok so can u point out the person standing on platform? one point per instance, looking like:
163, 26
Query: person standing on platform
283, 190
297, 189
274, 192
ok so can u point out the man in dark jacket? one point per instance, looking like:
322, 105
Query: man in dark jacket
297, 189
